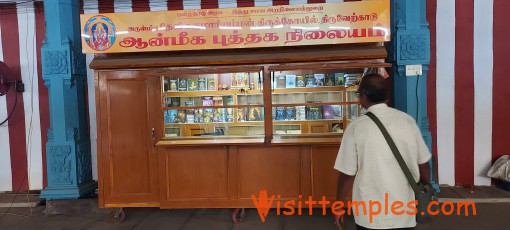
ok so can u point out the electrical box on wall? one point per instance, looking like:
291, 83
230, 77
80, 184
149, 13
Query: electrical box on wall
413, 70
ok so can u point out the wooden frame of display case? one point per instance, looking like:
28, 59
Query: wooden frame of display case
138, 167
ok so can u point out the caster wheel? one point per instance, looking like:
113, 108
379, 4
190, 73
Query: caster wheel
117, 216
239, 215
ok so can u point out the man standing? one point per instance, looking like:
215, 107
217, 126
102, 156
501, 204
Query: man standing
366, 162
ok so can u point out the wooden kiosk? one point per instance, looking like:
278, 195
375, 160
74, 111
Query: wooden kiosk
212, 128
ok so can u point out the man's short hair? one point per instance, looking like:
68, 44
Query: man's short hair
374, 87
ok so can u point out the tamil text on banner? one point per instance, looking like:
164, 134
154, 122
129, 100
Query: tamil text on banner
295, 25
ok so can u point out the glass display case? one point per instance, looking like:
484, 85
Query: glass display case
304, 102
217, 104
314, 101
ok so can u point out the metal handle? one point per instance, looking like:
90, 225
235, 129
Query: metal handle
153, 136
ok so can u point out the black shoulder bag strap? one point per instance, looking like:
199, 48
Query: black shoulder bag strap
396, 153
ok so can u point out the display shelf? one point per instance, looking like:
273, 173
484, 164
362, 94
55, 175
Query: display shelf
211, 93
301, 102
309, 89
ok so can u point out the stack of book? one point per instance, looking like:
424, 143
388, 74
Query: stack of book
300, 113
191, 84
190, 113
313, 112
350, 79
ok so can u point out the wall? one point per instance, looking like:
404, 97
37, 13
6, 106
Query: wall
22, 148
467, 87
468, 101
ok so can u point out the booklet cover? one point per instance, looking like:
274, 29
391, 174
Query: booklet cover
211, 85
330, 79
309, 80
173, 85
202, 84
207, 101
290, 81
280, 82
319, 79
192, 84
290, 113
339, 79
300, 81
183, 84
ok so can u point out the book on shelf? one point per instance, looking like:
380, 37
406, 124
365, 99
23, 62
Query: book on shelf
179, 116
339, 79
207, 101
229, 100
208, 115
190, 113
192, 84
190, 116
230, 114
166, 85
172, 132
199, 115
319, 79
173, 84
241, 114
175, 102
327, 112
290, 113
167, 116
337, 128
240, 81
350, 79
330, 79
183, 84
254, 114
167, 102
300, 113
220, 115
211, 84
309, 80
290, 81
217, 101
337, 112
313, 112
280, 113
280, 82
202, 84
278, 131
294, 131
300, 81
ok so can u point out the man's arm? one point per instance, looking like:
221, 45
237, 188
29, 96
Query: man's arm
343, 194
344, 187
424, 172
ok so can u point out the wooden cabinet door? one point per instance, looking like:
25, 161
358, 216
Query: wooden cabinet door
127, 160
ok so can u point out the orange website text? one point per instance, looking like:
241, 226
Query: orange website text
371, 208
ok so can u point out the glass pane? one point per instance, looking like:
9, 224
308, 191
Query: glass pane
212, 105
352, 111
311, 102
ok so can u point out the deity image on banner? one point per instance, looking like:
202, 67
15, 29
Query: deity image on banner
99, 33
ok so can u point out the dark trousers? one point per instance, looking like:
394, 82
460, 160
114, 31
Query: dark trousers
363, 228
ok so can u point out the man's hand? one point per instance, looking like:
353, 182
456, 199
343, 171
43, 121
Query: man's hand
344, 193
339, 221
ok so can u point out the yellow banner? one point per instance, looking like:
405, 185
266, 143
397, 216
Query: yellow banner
292, 25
